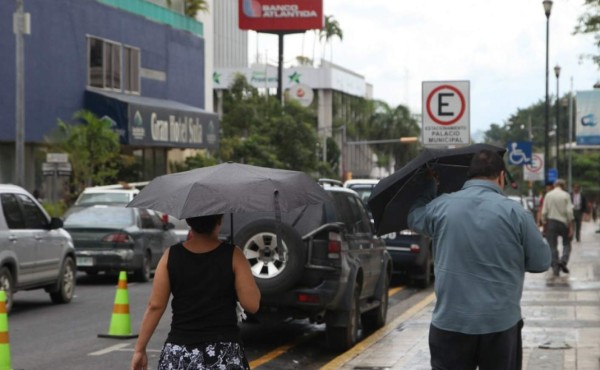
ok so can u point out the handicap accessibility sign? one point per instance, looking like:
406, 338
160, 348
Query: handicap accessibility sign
519, 152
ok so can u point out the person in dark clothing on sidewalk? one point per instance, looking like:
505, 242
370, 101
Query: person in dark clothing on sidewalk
579, 208
483, 243
206, 278
557, 219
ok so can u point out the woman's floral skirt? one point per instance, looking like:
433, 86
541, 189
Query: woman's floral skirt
206, 356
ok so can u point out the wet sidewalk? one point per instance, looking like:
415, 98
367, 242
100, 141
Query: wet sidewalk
561, 332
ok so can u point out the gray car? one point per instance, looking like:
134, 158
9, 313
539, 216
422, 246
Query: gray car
35, 251
115, 238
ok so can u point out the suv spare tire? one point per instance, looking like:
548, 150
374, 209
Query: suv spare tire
258, 241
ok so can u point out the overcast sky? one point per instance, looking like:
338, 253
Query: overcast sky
500, 47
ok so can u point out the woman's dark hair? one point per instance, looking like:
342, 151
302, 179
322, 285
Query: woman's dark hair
487, 164
204, 224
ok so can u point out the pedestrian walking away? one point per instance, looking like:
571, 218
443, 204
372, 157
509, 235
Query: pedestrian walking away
207, 277
558, 221
580, 205
483, 243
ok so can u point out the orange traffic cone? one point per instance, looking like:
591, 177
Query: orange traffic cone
120, 323
4, 340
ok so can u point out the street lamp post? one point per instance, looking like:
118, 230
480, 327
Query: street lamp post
547, 9
557, 74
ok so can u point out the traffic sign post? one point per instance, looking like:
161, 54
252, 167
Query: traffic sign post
56, 165
446, 106
535, 170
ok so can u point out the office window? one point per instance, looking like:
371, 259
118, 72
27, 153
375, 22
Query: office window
113, 66
96, 74
131, 69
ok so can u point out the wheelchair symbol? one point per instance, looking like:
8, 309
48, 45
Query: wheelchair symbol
516, 155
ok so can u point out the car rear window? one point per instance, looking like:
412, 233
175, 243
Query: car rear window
95, 198
101, 217
363, 190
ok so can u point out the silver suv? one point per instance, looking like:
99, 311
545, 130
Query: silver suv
35, 251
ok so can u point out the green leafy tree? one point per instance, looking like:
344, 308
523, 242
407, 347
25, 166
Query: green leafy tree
93, 148
257, 130
330, 30
393, 123
192, 7
589, 24
196, 161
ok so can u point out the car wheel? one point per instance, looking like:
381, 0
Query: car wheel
143, 273
341, 338
273, 274
66, 285
375, 319
6, 284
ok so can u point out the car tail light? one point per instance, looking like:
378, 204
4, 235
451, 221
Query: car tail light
118, 238
415, 248
165, 218
308, 298
334, 246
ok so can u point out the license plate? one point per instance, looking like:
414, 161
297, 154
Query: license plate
85, 261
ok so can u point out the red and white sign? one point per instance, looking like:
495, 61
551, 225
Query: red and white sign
280, 15
534, 171
446, 106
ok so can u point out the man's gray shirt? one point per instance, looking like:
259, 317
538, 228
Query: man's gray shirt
483, 243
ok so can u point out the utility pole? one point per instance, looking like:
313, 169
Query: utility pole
21, 26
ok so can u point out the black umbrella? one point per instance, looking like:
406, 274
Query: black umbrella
230, 188
393, 196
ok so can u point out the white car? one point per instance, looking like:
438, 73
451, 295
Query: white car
35, 251
106, 195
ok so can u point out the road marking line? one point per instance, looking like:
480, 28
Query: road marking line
337, 362
119, 348
395, 290
116, 347
281, 350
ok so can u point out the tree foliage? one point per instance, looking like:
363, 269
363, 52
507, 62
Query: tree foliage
330, 30
589, 23
585, 164
257, 130
386, 123
93, 148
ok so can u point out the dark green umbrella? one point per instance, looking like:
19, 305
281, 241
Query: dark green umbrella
393, 196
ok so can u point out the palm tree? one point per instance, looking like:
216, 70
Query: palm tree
192, 7
331, 29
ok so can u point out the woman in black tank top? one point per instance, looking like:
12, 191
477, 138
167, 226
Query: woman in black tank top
207, 278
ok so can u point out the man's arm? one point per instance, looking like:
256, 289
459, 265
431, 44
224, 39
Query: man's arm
417, 216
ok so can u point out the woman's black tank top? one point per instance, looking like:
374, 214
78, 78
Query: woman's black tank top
204, 298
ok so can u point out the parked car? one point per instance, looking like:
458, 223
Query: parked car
181, 228
35, 251
331, 269
115, 238
410, 251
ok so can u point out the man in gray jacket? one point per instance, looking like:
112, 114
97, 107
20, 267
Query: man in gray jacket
483, 243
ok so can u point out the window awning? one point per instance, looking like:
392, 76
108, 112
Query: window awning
143, 121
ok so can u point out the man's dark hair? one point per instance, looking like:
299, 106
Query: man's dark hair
204, 224
487, 164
